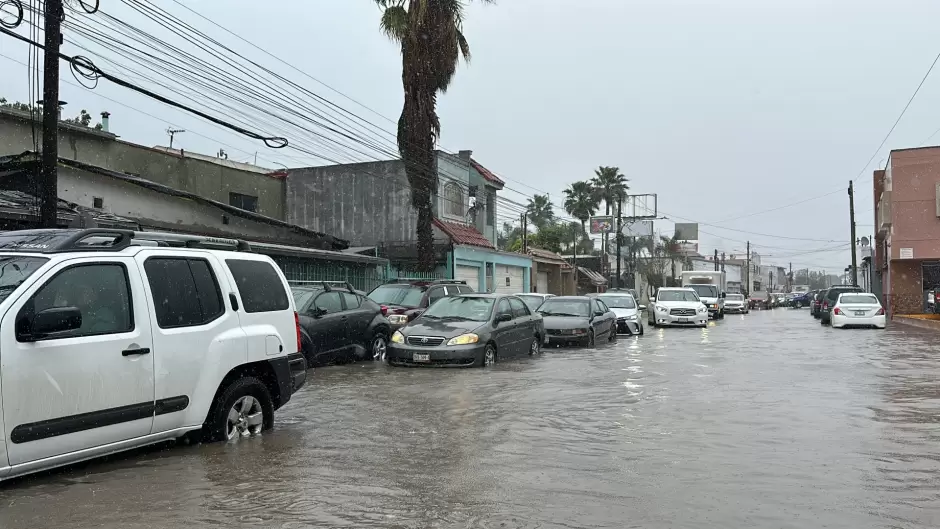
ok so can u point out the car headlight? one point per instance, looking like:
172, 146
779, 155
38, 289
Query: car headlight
661, 309
464, 339
398, 337
703, 308
631, 318
715, 306
579, 331
398, 319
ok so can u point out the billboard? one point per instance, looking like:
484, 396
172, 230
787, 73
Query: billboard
687, 231
602, 224
639, 228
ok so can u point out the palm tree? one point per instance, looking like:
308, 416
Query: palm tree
540, 211
610, 185
672, 252
581, 201
430, 33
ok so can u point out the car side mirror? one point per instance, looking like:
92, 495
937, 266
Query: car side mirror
48, 322
503, 317
642, 307
724, 294
317, 312
599, 313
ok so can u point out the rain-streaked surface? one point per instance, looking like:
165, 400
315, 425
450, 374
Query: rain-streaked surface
760, 421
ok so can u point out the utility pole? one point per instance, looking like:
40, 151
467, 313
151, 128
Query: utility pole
747, 290
722, 261
525, 233
716, 259
49, 183
770, 282
619, 235
852, 224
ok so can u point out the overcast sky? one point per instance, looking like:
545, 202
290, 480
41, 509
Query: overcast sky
724, 110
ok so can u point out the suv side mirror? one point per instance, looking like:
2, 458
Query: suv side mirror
505, 316
50, 321
724, 294
642, 307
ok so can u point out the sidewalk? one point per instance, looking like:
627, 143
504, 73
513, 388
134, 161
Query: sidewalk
924, 321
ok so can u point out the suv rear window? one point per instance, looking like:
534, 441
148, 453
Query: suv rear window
398, 294
185, 291
259, 285
833, 293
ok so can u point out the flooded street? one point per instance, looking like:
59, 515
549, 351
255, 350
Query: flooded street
763, 421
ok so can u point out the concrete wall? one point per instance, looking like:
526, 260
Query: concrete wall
559, 283
915, 174
454, 171
159, 210
906, 287
104, 150
366, 203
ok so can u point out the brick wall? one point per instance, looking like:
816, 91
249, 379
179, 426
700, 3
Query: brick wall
907, 293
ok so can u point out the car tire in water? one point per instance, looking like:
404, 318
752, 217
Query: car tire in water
243, 408
591, 342
641, 330
489, 356
535, 347
378, 348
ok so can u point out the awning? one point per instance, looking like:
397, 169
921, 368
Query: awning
592, 276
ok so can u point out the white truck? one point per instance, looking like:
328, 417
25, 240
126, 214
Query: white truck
711, 288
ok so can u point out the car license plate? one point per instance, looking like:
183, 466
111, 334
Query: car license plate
860, 313
421, 357
683, 320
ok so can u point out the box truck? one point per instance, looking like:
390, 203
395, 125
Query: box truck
710, 287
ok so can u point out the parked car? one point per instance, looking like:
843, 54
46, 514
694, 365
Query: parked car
468, 330
626, 309
114, 339
339, 323
533, 299
828, 302
404, 299
816, 307
677, 306
632, 291
801, 299
578, 319
858, 309
736, 304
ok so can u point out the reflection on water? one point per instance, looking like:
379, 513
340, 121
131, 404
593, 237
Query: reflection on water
763, 421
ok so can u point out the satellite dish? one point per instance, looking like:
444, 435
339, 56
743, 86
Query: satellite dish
865, 241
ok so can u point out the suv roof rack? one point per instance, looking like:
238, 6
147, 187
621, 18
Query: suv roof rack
327, 285
109, 240
427, 281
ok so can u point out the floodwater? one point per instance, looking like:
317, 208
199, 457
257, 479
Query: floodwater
759, 421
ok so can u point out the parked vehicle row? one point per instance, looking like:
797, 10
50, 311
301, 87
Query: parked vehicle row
845, 306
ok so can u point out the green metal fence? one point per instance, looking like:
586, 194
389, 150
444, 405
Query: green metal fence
299, 271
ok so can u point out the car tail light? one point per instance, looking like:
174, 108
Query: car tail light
384, 310
825, 305
880, 312
836, 311
297, 325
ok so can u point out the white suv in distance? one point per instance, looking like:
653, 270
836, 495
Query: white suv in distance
113, 339
677, 306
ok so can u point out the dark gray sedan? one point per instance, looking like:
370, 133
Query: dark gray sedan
468, 330
578, 319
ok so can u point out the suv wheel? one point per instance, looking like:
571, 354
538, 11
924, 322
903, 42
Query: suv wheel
379, 347
244, 408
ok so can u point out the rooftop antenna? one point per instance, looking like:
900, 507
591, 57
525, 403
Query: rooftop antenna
173, 132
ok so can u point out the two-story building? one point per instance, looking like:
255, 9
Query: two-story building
370, 204
907, 223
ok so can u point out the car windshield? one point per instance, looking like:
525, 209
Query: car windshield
619, 302
735, 297
461, 308
868, 299
533, 302
705, 291
561, 307
14, 269
404, 295
677, 295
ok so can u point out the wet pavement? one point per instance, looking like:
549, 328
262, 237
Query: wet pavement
760, 421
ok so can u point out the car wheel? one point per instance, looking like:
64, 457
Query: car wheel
590, 338
242, 409
535, 347
489, 355
641, 330
379, 347
612, 335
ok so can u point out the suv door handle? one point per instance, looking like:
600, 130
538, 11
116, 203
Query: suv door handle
134, 352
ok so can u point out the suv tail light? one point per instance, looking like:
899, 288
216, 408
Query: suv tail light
836, 311
825, 305
880, 312
297, 325
384, 310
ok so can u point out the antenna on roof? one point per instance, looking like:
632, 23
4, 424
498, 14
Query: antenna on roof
173, 132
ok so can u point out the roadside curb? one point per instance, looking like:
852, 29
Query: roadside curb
932, 325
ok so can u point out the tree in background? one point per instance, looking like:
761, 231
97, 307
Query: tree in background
581, 202
430, 33
610, 186
540, 211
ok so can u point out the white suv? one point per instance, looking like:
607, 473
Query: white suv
113, 339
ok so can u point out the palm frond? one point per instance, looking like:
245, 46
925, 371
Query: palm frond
394, 22
463, 45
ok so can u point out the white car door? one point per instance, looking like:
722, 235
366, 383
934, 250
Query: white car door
81, 388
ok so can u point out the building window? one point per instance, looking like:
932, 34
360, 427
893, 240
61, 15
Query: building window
490, 209
97, 202
453, 200
245, 202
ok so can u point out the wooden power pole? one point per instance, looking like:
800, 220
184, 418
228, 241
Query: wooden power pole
854, 276
49, 184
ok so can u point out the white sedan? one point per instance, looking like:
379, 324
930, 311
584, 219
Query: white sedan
858, 309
